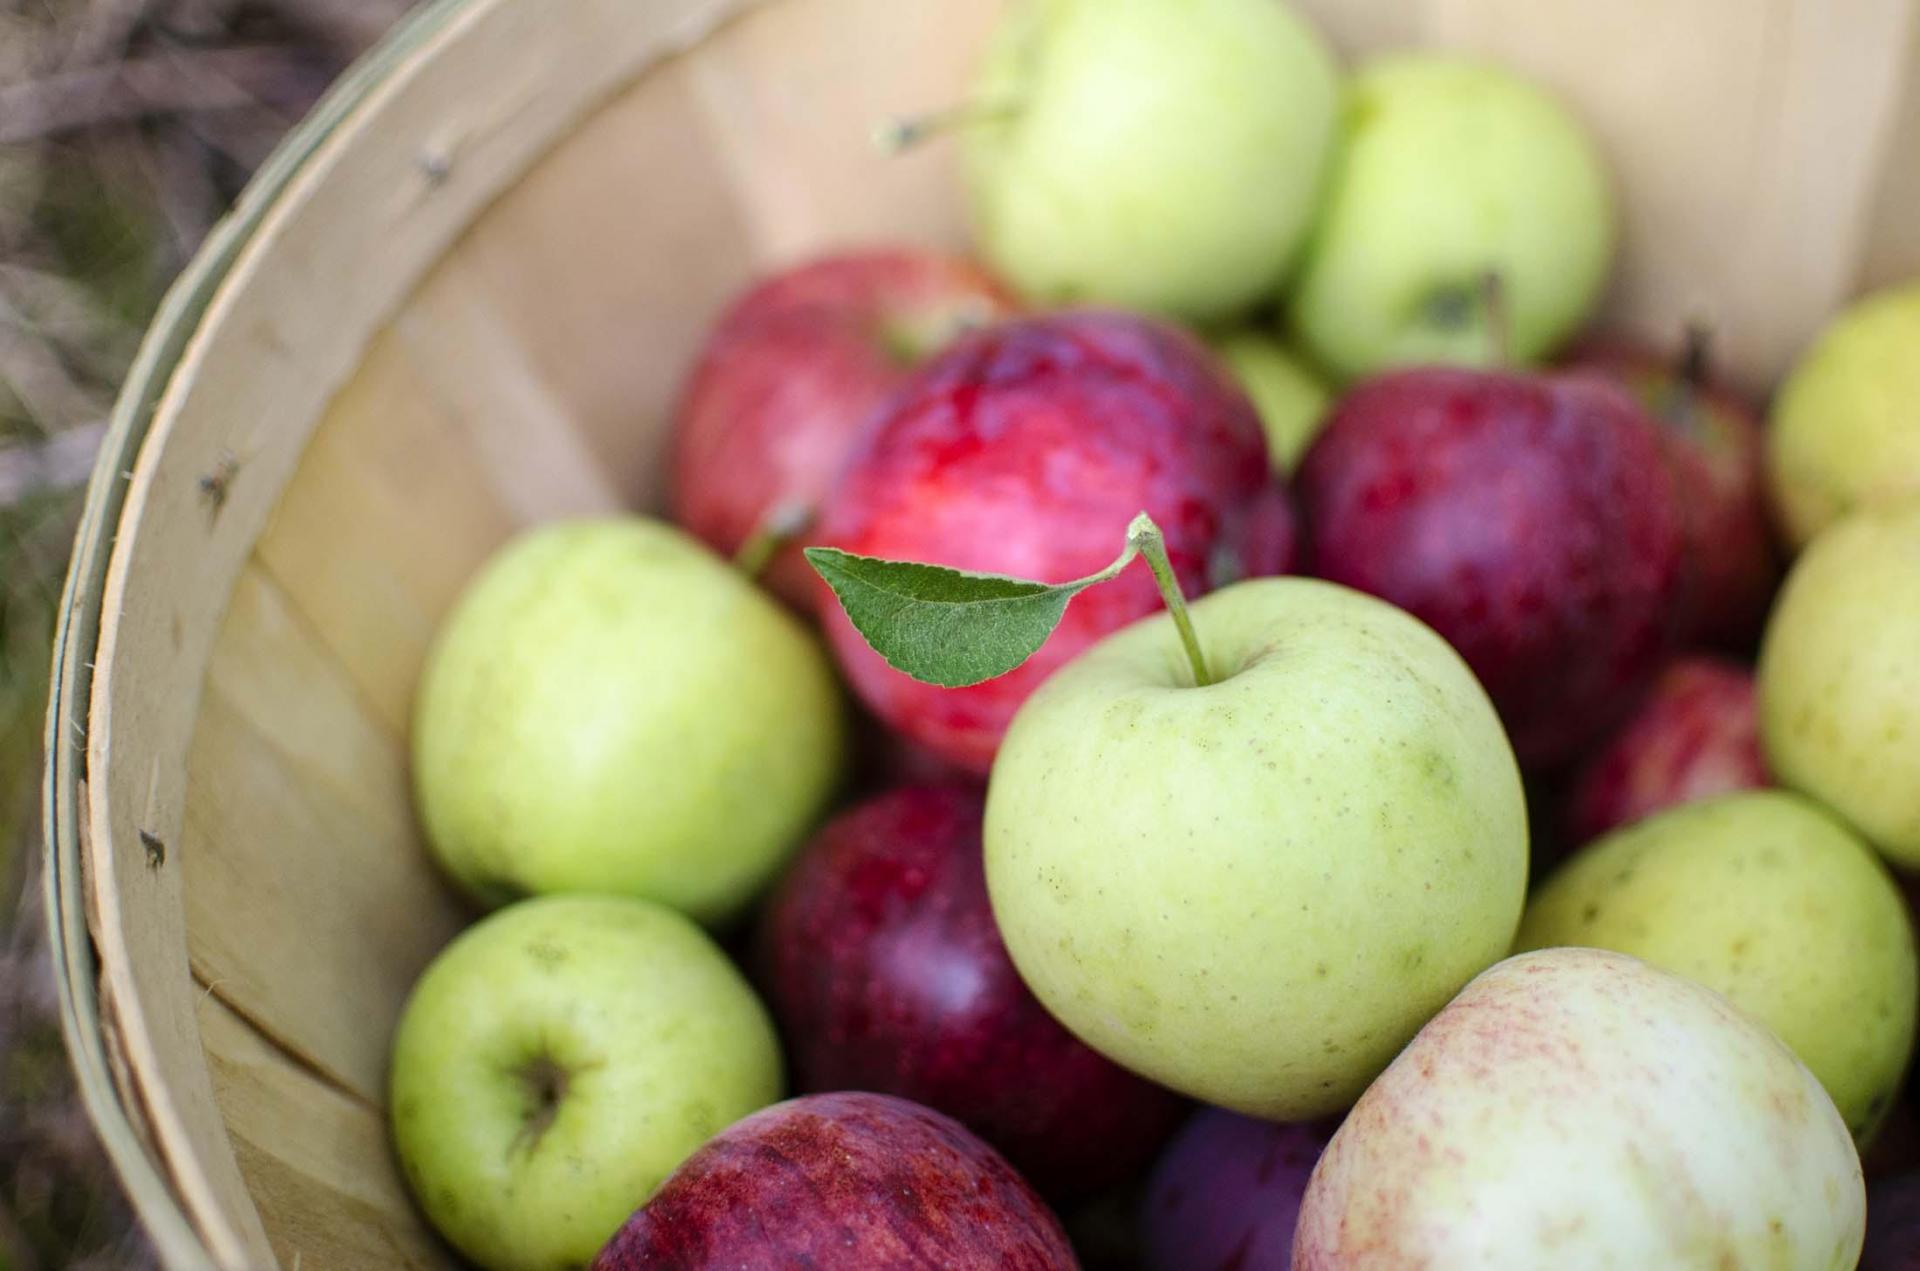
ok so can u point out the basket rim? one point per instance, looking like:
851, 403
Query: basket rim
77, 633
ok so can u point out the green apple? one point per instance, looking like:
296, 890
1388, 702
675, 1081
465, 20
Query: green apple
1577, 1108
1839, 676
1846, 424
1288, 394
1765, 898
1453, 170
613, 708
1257, 890
557, 1061
1163, 155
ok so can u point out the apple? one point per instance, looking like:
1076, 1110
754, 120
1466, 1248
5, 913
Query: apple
1717, 448
792, 370
1763, 897
1452, 170
1018, 451
1839, 676
557, 1061
1256, 891
1846, 424
1531, 519
611, 707
1226, 1193
1893, 1225
1163, 155
842, 1181
883, 965
1288, 394
1696, 735
1579, 1108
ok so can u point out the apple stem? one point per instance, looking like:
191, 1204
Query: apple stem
777, 529
1144, 537
1493, 302
904, 132
1690, 369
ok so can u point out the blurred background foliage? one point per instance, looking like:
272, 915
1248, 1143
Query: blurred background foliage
126, 129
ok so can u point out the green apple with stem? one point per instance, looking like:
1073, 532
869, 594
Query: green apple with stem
1289, 394
1845, 427
1839, 676
1245, 850
557, 1061
611, 707
1765, 898
1164, 155
1451, 170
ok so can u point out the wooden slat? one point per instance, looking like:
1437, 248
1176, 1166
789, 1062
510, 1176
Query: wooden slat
1893, 235
316, 1161
311, 907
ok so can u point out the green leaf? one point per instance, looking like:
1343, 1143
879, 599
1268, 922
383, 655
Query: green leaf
948, 626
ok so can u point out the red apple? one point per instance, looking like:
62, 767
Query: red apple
1225, 1195
1696, 735
792, 371
881, 961
842, 1180
1893, 1225
1530, 519
1026, 449
1714, 440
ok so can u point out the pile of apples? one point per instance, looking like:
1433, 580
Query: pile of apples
1187, 897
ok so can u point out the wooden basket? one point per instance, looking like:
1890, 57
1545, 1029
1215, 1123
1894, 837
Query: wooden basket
457, 301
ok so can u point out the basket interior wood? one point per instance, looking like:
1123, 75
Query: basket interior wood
530, 374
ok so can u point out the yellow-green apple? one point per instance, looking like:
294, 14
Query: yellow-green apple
557, 1061
1256, 890
1452, 170
1846, 424
1163, 155
1579, 1108
1763, 897
1287, 392
1839, 676
611, 707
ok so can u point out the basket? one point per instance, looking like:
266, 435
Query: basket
458, 301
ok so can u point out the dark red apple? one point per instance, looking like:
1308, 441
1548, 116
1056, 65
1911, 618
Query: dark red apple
1532, 520
1026, 449
1226, 1193
792, 371
1893, 1225
1715, 442
842, 1182
880, 958
1696, 735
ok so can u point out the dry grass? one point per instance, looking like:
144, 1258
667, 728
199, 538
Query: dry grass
126, 128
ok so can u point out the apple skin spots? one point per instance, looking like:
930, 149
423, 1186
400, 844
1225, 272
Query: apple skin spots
1532, 521
1026, 449
843, 1180
880, 957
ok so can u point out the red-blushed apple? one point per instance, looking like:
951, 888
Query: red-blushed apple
842, 1182
882, 963
1893, 1225
1531, 520
791, 372
1715, 442
1226, 1192
1696, 735
1019, 451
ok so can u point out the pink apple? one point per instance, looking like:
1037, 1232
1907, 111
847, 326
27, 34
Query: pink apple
792, 371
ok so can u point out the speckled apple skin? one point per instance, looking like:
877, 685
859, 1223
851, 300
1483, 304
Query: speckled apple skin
842, 1182
880, 958
1257, 891
1026, 449
1765, 897
1575, 1108
1696, 736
